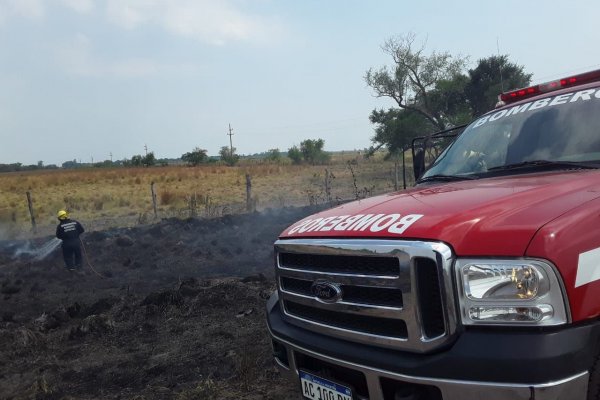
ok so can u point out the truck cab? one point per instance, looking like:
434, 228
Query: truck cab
481, 282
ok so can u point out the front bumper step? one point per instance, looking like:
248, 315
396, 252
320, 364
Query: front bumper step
572, 388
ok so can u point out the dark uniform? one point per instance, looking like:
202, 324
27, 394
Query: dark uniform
68, 230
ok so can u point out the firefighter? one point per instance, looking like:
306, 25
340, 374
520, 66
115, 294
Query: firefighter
68, 230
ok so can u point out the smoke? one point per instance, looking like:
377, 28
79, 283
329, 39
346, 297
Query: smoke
4, 232
37, 253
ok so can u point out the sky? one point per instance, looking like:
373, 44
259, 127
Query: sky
83, 79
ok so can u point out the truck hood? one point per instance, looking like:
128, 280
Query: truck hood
484, 217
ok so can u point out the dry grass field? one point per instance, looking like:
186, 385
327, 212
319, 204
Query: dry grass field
166, 309
103, 198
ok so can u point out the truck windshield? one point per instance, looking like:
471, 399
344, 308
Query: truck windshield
559, 130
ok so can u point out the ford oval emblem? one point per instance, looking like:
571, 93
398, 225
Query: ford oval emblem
326, 292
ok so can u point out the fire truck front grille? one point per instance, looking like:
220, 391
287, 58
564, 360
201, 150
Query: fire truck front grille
340, 264
390, 293
352, 294
373, 325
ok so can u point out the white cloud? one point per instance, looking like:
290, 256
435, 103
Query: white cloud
78, 58
80, 6
32, 9
131, 13
213, 22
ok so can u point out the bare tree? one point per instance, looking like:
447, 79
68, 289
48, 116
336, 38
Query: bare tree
414, 76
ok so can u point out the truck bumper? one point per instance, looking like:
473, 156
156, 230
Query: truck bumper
456, 373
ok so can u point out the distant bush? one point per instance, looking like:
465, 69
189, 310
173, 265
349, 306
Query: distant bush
196, 157
274, 155
310, 151
295, 154
167, 197
229, 156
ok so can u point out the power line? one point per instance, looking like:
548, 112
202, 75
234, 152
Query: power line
312, 124
333, 125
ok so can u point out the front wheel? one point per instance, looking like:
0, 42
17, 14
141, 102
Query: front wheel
594, 382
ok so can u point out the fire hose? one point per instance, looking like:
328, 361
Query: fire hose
87, 259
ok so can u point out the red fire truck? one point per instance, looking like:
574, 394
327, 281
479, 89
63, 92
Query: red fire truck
481, 282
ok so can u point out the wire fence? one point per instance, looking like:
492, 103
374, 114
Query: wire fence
326, 185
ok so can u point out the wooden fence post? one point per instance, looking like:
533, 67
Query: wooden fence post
396, 173
327, 186
403, 168
193, 204
30, 205
249, 207
153, 199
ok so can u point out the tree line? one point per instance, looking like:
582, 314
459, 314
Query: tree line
432, 92
310, 151
16, 167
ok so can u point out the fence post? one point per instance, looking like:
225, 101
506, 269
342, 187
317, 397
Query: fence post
249, 207
396, 173
30, 205
153, 199
327, 186
207, 205
403, 168
193, 203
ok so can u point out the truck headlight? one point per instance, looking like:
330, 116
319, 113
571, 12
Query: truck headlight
510, 292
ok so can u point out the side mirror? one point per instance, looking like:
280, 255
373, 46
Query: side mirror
418, 162
433, 145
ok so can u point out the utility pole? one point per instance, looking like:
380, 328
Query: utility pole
111, 156
146, 149
230, 141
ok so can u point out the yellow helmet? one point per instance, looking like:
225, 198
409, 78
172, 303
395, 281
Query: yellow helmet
62, 214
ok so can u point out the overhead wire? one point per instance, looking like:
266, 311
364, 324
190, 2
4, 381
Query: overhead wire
320, 126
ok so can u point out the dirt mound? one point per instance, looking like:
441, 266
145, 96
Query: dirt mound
171, 310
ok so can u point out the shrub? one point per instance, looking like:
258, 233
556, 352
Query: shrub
167, 197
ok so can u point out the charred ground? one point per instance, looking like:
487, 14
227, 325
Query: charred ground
178, 314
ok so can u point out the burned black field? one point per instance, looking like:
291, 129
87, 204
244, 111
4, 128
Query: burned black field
177, 313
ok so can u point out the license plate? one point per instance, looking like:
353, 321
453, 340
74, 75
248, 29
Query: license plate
317, 388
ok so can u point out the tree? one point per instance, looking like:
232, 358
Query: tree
274, 155
228, 155
196, 157
103, 164
70, 164
413, 77
433, 92
492, 76
137, 160
395, 128
312, 151
149, 159
295, 154
449, 97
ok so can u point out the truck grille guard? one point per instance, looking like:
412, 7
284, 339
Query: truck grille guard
390, 293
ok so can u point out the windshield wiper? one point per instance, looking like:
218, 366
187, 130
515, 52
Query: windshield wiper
446, 178
545, 163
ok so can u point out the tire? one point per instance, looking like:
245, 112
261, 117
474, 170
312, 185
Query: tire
594, 382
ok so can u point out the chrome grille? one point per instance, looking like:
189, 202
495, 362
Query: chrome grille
394, 294
365, 265
351, 294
